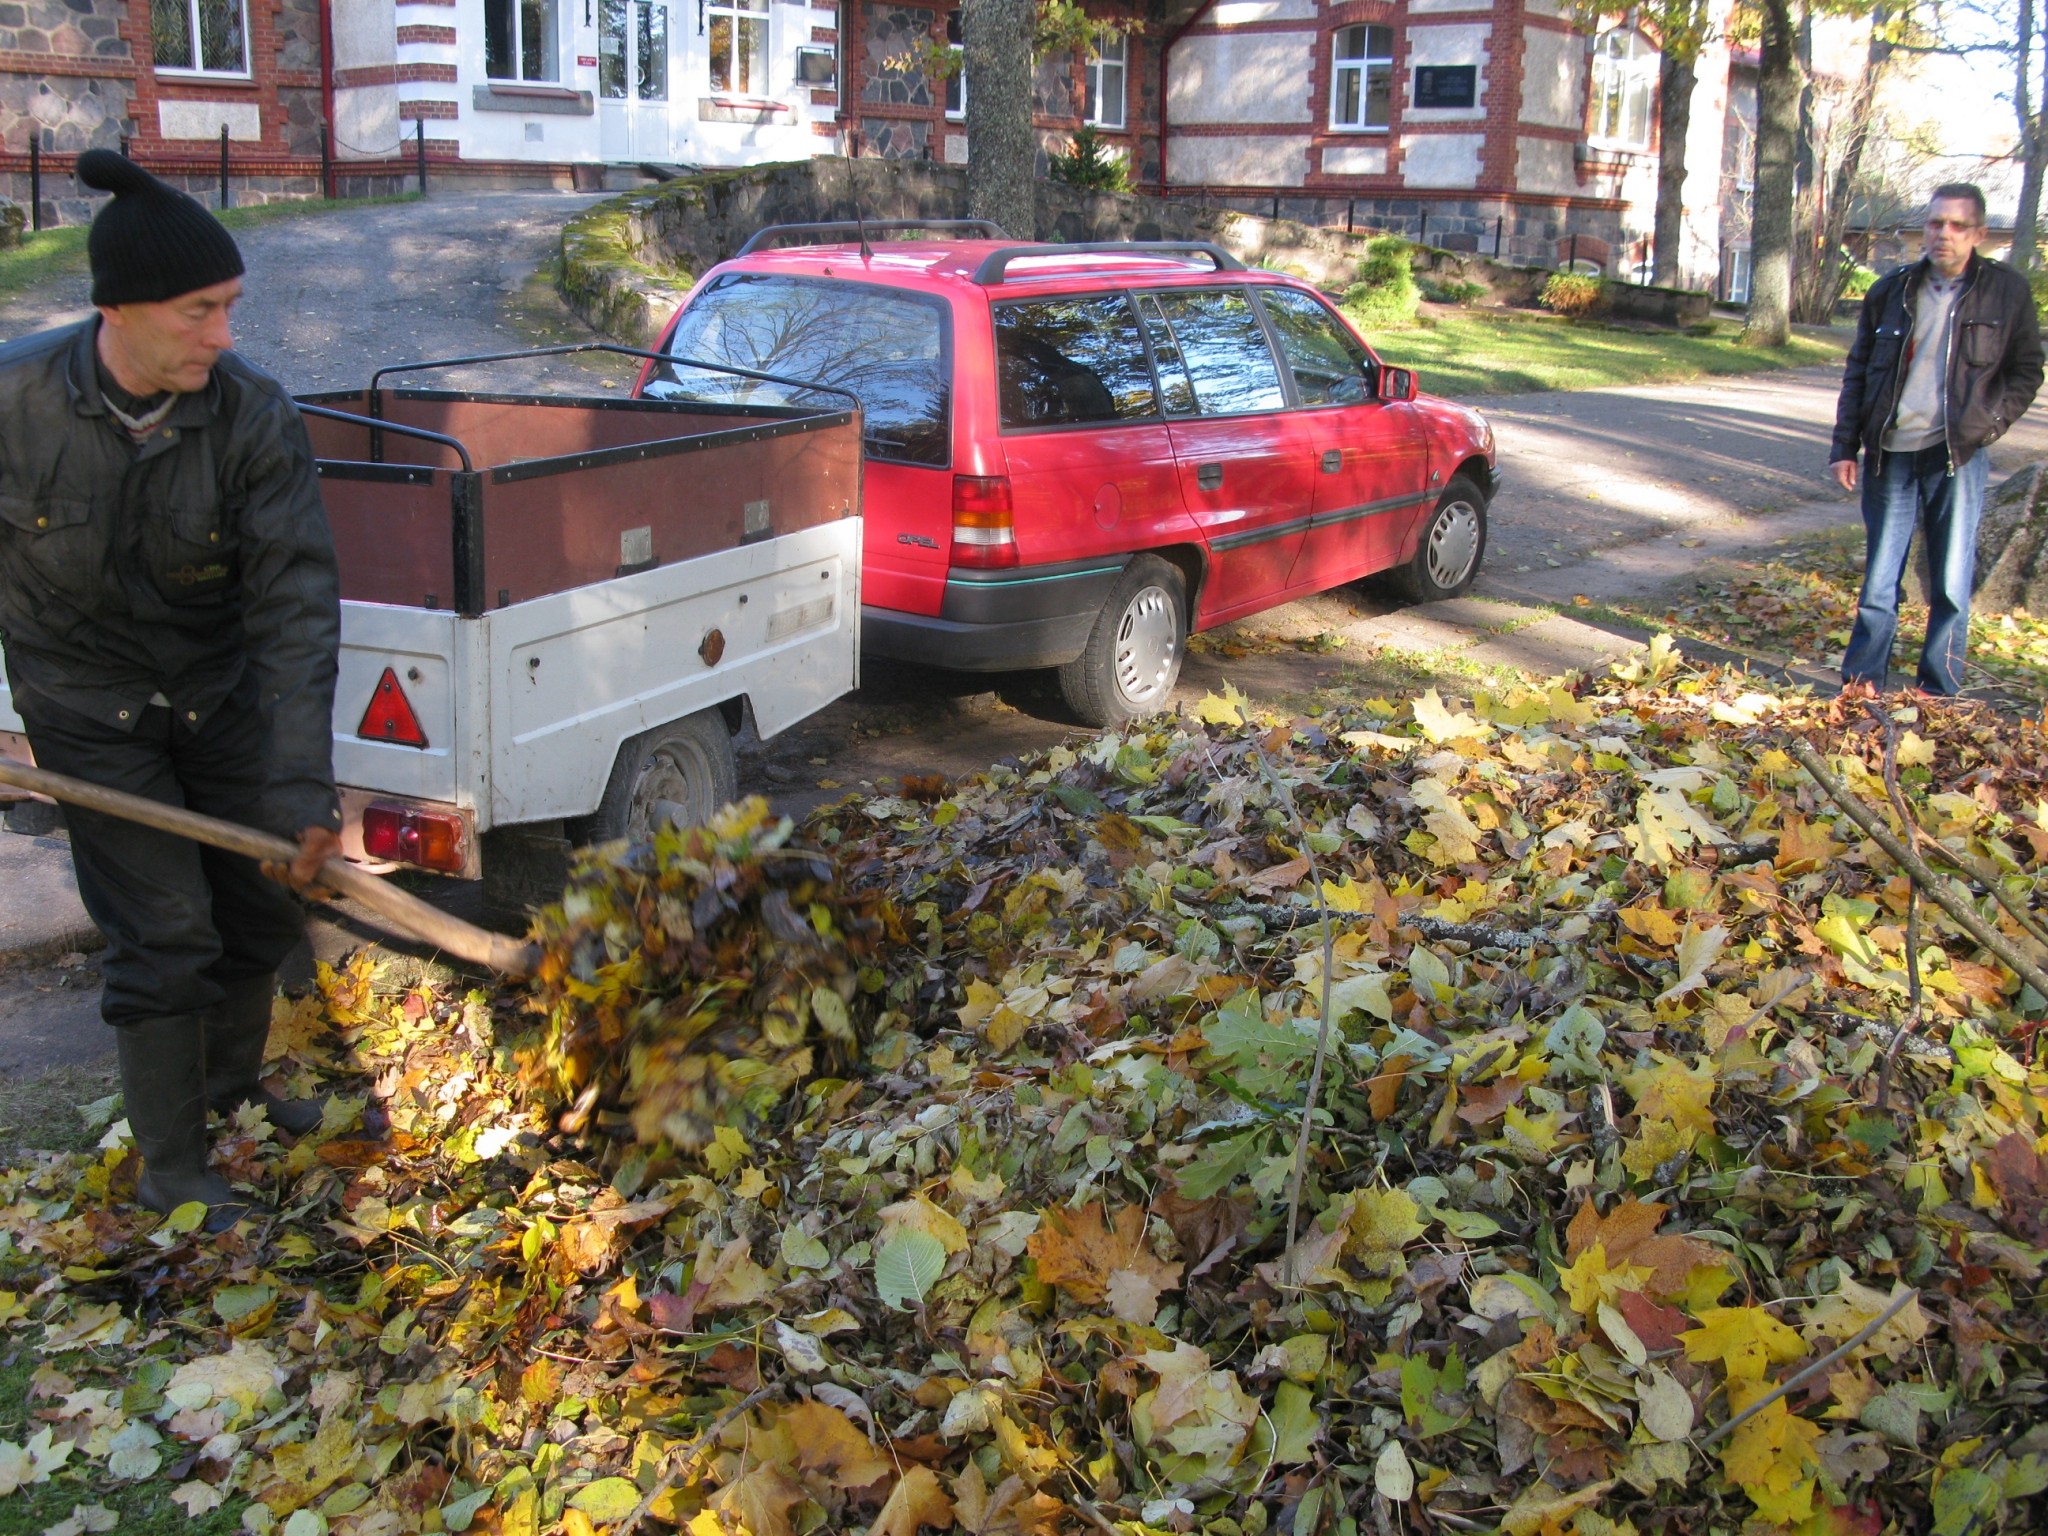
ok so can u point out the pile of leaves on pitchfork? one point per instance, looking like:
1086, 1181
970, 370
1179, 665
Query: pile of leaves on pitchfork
1553, 1112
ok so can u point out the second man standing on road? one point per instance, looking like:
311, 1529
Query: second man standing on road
1947, 357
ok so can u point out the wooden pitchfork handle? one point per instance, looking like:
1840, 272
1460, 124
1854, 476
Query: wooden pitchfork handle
397, 911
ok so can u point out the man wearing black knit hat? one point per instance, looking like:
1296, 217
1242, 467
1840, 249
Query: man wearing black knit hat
171, 617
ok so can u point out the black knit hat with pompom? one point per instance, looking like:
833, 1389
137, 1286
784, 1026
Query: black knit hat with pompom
152, 242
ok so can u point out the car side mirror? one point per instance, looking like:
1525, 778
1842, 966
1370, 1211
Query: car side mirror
1397, 384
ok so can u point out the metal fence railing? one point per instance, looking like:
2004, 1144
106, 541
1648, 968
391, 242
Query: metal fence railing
185, 164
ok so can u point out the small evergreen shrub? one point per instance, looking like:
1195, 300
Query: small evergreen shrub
1570, 294
1091, 165
1858, 281
1385, 295
1451, 290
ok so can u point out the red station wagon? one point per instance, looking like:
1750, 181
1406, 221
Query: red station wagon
1077, 454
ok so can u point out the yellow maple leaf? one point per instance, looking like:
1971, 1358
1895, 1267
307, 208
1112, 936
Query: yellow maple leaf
1770, 1456
1439, 725
1588, 1281
1804, 846
1382, 1223
1655, 1143
1652, 923
1457, 835
1746, 1340
916, 1500
1670, 1090
1228, 709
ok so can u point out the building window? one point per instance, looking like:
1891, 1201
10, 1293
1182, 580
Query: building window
1362, 84
1624, 85
1106, 63
1738, 276
205, 36
956, 82
520, 40
739, 46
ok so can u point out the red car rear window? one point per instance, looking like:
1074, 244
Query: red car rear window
890, 348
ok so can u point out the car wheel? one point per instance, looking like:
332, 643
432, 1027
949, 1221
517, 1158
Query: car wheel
1133, 655
1453, 544
681, 772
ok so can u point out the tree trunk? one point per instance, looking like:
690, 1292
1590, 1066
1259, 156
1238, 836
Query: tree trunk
1777, 146
1818, 287
2032, 146
1674, 121
1002, 160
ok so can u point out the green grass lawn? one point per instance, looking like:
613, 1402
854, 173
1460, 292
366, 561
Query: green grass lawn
50, 253
1492, 352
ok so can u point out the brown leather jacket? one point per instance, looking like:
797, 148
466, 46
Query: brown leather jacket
1994, 362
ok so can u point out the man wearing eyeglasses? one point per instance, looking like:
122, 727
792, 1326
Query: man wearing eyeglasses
1947, 357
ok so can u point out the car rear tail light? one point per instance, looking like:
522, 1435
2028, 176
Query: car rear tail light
400, 834
984, 532
390, 716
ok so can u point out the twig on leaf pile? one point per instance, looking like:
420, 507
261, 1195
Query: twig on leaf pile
679, 1462
1911, 1021
1802, 1376
1315, 1077
1937, 890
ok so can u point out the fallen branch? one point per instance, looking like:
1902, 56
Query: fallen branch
1799, 1378
1989, 938
679, 1462
1911, 1021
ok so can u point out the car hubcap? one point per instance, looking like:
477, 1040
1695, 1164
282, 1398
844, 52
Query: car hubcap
1147, 644
1453, 543
674, 787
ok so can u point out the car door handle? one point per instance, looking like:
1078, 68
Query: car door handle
1209, 476
1333, 461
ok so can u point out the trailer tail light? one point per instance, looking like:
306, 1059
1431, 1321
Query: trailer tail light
984, 529
390, 717
400, 834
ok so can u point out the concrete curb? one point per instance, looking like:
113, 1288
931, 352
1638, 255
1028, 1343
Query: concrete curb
48, 949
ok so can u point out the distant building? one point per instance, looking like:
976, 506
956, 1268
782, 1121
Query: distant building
1473, 124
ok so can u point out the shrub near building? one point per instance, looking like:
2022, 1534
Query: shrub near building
1385, 295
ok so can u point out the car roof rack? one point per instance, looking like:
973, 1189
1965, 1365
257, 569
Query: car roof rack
996, 263
779, 234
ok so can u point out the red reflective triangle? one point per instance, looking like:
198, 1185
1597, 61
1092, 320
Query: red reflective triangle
390, 716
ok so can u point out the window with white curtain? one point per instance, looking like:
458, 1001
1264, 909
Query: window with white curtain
1624, 88
1362, 77
739, 46
207, 37
956, 82
1107, 64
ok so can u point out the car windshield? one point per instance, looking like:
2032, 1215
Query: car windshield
886, 347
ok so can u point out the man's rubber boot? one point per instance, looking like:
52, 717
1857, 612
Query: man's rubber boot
236, 1034
163, 1083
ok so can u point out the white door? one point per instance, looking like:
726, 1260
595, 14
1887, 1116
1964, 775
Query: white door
632, 79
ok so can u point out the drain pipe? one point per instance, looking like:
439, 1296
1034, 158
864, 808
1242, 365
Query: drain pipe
327, 94
1165, 52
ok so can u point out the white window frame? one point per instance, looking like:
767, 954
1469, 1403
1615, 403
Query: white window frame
1739, 274
1362, 66
739, 12
1101, 62
551, 58
195, 69
956, 82
1623, 83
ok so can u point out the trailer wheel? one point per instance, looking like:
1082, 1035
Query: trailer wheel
681, 772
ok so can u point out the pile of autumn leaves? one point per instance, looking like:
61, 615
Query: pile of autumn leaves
988, 1225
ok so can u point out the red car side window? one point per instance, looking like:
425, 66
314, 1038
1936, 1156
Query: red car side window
1223, 347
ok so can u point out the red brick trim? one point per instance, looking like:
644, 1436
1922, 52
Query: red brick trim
65, 66
1553, 24
825, 130
439, 74
821, 98
436, 37
433, 111
366, 74
1245, 28
1247, 130
824, 35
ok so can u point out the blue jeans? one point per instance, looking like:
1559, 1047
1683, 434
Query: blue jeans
1910, 489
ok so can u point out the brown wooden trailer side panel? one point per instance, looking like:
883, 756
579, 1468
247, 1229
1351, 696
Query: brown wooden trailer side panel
393, 540
500, 432
552, 532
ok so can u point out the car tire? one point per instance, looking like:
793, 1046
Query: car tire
1453, 544
681, 772
1133, 655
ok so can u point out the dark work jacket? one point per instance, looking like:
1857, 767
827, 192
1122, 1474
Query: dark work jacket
1994, 362
171, 568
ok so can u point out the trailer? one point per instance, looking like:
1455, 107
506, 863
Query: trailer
557, 610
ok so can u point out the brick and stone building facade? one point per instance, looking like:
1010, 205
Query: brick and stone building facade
1474, 124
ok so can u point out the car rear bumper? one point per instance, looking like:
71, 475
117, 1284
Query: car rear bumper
1000, 621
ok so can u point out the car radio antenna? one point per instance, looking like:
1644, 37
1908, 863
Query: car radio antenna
860, 224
